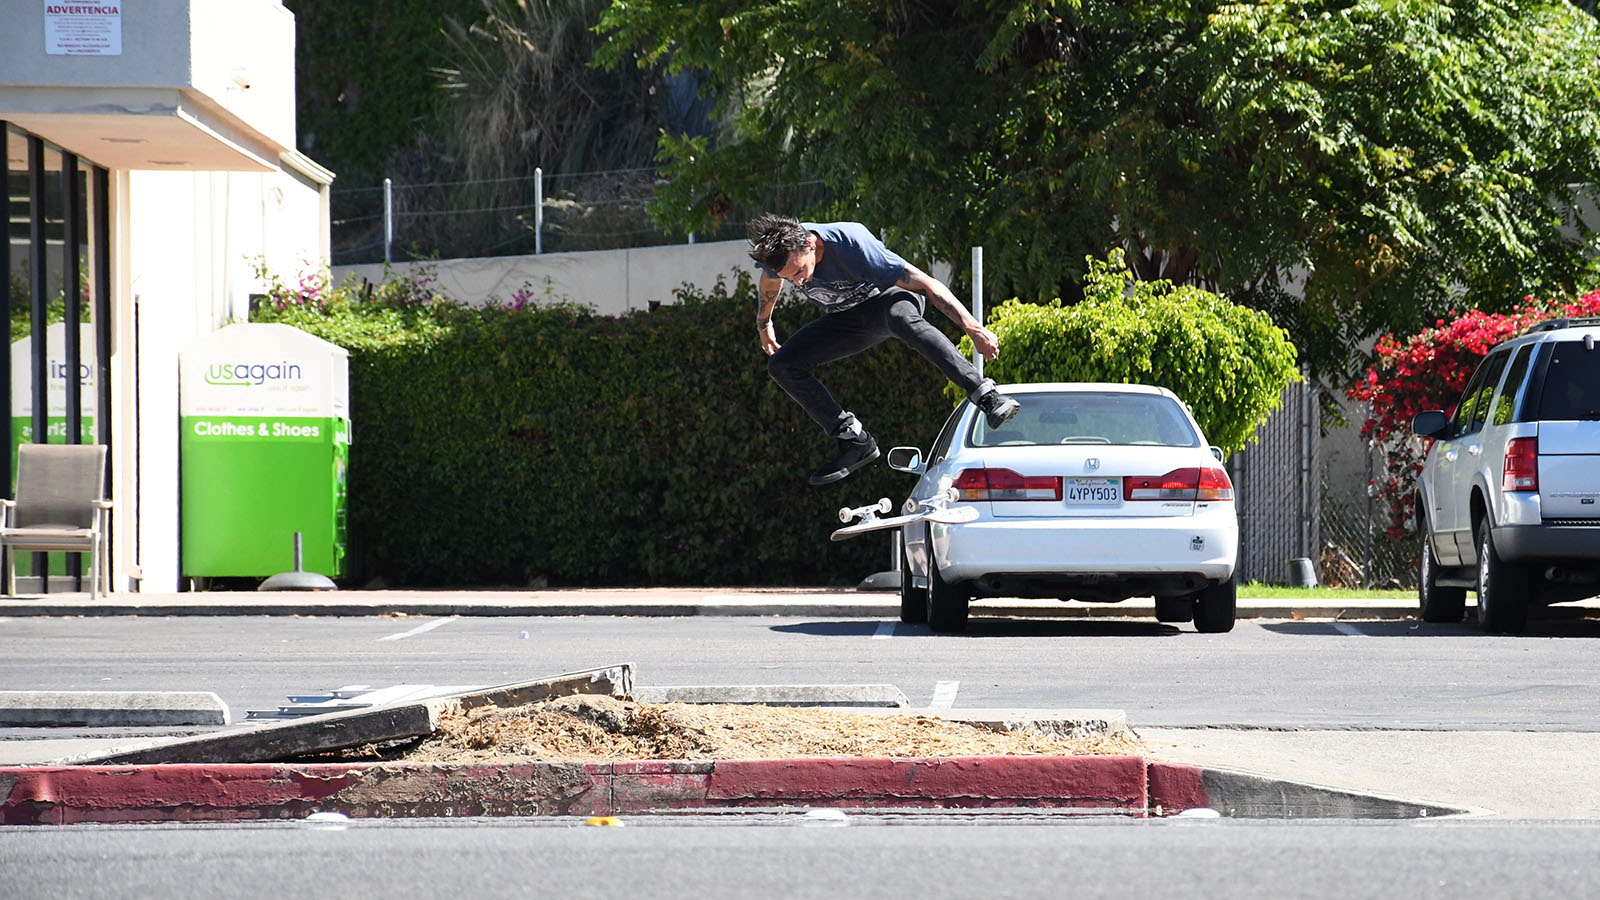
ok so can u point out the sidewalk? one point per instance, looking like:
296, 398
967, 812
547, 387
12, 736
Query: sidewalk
799, 602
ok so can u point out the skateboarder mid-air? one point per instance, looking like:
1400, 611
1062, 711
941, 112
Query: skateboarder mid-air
867, 295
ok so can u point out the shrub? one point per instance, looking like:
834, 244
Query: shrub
1228, 362
1429, 370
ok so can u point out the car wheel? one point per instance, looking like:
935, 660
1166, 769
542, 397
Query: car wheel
1215, 606
947, 603
1503, 588
913, 600
1437, 604
1175, 609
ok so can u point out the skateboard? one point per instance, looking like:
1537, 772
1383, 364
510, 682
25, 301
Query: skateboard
870, 520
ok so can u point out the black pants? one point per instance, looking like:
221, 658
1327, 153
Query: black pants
894, 313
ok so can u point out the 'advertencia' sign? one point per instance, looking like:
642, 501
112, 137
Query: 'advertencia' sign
82, 29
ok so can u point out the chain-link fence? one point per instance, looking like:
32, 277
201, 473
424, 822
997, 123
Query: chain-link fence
1357, 550
1277, 511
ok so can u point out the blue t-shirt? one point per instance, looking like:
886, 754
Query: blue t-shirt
855, 266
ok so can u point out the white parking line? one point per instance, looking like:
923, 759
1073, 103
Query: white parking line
944, 694
1347, 628
885, 631
425, 626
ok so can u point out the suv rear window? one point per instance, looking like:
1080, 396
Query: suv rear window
1571, 383
1091, 417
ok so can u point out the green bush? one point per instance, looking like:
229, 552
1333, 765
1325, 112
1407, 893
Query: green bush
493, 446
1228, 362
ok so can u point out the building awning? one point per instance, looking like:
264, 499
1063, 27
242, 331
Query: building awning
162, 129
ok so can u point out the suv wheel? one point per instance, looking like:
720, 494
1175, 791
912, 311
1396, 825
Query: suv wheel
913, 600
1215, 607
1503, 588
1438, 604
947, 603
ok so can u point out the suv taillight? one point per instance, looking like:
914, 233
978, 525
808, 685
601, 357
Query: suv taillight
1209, 483
1004, 484
1521, 472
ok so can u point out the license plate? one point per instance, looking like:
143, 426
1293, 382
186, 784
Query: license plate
1093, 491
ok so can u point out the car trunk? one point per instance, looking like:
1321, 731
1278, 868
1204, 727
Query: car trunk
1096, 471
1569, 470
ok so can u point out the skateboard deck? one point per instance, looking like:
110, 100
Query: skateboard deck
870, 521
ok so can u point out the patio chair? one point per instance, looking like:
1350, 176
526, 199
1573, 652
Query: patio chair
60, 506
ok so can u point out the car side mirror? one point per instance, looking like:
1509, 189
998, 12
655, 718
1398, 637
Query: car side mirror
1217, 452
907, 459
1430, 424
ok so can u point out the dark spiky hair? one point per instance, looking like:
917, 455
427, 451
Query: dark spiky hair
774, 238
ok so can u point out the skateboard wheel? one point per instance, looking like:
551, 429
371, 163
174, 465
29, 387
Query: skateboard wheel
844, 513
884, 505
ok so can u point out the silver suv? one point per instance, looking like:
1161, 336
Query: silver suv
1509, 497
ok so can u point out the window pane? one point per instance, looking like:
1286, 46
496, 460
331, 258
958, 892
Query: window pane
1092, 418
1572, 383
1505, 404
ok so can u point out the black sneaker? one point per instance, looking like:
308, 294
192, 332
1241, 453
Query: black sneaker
997, 408
853, 454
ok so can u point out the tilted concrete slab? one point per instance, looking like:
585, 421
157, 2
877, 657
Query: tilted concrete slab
336, 731
111, 709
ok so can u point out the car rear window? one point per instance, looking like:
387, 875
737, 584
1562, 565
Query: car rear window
1572, 382
1091, 417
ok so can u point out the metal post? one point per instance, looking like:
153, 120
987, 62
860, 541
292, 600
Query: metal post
977, 302
538, 210
38, 276
388, 221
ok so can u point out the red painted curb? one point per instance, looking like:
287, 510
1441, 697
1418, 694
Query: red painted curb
1081, 781
1175, 787
176, 792
66, 795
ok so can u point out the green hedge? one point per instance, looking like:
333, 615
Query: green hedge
496, 446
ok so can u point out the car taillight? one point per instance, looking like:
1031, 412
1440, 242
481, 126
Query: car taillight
1214, 485
1521, 472
1004, 484
1210, 483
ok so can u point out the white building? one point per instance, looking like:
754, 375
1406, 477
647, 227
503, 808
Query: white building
150, 152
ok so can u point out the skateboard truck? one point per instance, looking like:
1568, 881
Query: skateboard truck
928, 510
868, 513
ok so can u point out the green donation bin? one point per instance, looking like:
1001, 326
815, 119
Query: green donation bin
265, 447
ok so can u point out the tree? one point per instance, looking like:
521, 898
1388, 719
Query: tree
1378, 158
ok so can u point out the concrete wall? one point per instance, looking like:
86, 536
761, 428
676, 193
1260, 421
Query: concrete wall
192, 46
611, 281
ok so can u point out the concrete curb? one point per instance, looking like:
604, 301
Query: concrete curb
848, 696
238, 792
801, 602
1176, 787
112, 709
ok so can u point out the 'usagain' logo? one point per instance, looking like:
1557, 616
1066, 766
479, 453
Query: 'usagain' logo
240, 374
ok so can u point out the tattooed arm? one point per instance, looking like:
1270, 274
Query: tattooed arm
915, 279
769, 288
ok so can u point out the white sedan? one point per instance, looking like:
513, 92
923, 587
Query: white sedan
1095, 492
